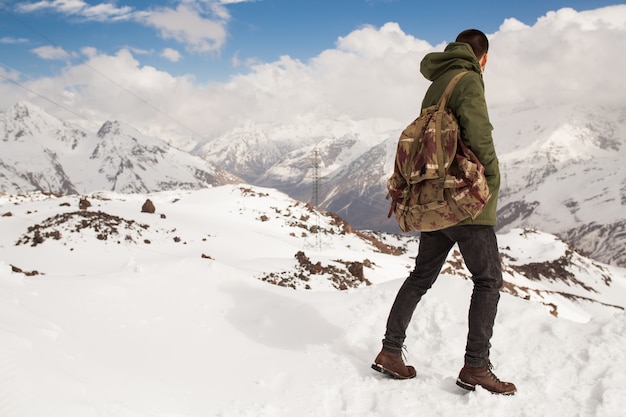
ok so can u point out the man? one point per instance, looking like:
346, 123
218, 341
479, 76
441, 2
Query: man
475, 237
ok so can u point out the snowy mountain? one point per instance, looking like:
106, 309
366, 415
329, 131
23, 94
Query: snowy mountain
238, 300
568, 178
284, 156
562, 170
345, 162
40, 152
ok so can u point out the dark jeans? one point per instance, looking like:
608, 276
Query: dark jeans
479, 248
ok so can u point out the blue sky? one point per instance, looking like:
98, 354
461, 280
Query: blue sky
189, 69
245, 31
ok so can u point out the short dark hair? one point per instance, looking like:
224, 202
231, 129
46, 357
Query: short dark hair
476, 39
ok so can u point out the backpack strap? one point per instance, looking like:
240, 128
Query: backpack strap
443, 101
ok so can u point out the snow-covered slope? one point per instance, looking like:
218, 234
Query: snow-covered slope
562, 170
111, 311
231, 223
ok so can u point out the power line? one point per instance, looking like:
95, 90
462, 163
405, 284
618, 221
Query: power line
43, 36
47, 99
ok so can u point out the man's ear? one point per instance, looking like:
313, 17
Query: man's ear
483, 61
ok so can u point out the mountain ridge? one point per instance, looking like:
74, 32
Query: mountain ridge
562, 171
43, 153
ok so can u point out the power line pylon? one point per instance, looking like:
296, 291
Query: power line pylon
315, 200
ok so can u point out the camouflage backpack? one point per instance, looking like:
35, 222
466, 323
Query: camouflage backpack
437, 180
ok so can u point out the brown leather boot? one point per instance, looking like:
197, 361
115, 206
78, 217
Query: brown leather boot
392, 364
470, 377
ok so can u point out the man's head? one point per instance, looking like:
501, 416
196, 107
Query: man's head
478, 42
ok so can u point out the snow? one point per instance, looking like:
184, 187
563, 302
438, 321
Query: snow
540, 248
184, 326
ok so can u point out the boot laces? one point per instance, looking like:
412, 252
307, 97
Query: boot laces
404, 351
493, 376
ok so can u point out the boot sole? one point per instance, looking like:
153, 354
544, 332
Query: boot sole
465, 385
379, 368
472, 387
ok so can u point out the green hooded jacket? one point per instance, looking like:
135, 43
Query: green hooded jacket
470, 108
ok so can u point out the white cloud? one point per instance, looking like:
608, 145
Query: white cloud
566, 56
11, 40
171, 54
12, 75
200, 25
63, 6
186, 25
236, 62
98, 12
511, 25
236, 1
106, 11
372, 42
51, 52
139, 51
89, 51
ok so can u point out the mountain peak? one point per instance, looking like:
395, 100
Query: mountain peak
21, 109
44, 153
111, 128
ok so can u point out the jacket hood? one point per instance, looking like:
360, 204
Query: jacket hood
457, 55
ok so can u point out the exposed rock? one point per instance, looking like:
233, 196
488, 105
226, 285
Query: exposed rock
148, 207
351, 275
84, 204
